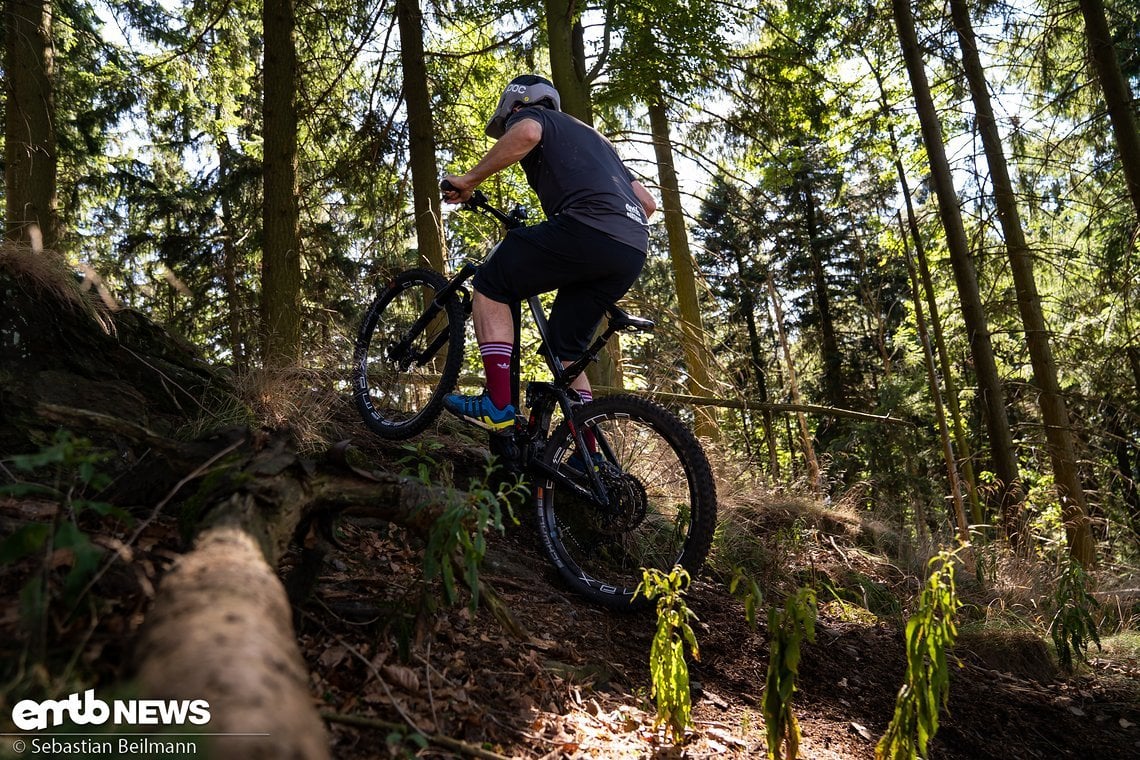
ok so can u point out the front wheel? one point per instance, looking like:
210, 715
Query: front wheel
661, 493
408, 355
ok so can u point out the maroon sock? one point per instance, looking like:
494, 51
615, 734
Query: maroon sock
588, 432
497, 366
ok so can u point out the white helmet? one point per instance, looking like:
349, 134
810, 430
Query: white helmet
527, 90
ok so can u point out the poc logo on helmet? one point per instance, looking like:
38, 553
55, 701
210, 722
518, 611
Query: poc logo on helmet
519, 88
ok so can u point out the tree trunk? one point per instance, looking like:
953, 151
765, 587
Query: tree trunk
1054, 411
238, 343
961, 441
421, 136
1117, 97
221, 629
568, 58
959, 512
693, 337
805, 434
281, 246
568, 71
1134, 362
30, 157
973, 313
755, 354
829, 344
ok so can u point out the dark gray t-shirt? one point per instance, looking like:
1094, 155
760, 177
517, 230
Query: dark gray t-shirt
576, 172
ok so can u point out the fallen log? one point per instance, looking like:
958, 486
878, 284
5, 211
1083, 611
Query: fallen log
221, 630
221, 626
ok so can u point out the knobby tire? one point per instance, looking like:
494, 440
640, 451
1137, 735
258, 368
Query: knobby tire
397, 397
664, 511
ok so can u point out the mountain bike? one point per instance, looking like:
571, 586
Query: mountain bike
645, 499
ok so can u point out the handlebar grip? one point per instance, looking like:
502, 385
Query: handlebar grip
476, 202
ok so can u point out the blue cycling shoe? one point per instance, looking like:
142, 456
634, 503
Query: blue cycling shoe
481, 411
577, 462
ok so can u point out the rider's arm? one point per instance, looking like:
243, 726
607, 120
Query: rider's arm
519, 140
644, 198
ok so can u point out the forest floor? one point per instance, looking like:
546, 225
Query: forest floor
384, 668
576, 686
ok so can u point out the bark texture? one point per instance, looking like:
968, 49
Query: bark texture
30, 156
1117, 96
693, 338
221, 629
421, 135
281, 248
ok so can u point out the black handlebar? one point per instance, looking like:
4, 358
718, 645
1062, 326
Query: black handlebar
479, 203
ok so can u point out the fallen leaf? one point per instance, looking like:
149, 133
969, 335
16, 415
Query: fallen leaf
331, 656
402, 676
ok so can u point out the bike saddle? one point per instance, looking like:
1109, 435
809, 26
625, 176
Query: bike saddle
623, 320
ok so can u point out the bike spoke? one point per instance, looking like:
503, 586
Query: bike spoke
647, 524
405, 356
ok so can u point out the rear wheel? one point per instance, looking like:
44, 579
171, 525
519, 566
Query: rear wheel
662, 509
402, 371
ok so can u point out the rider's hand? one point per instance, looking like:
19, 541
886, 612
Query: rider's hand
461, 189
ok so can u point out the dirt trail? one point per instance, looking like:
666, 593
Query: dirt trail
577, 687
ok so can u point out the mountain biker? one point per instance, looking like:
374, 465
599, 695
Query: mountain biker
591, 248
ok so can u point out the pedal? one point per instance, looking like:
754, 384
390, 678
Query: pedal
507, 452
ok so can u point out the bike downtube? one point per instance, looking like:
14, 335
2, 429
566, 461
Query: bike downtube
556, 475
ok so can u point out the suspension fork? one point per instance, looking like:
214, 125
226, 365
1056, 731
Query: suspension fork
442, 296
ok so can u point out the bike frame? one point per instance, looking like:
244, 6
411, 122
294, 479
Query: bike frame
540, 395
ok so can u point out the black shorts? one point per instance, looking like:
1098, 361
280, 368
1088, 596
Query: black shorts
589, 269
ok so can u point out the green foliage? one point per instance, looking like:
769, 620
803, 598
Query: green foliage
930, 633
65, 471
667, 666
1073, 626
458, 538
787, 630
746, 589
